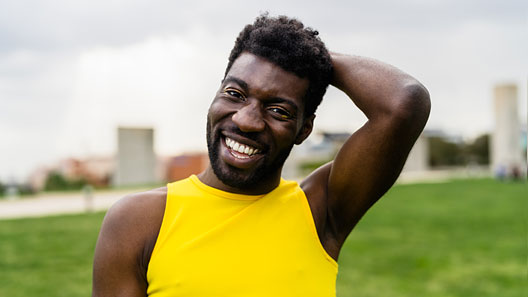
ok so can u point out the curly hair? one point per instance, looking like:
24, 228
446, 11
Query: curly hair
287, 43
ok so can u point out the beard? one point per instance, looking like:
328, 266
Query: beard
236, 177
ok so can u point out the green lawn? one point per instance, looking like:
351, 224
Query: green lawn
462, 238
49, 256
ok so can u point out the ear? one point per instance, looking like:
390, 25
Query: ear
306, 129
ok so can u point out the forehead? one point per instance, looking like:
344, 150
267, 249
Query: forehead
268, 79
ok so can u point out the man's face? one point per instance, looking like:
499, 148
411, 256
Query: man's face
254, 120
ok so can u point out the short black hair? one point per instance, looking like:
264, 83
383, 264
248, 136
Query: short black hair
287, 43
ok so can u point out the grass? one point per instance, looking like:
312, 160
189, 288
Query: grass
49, 256
461, 238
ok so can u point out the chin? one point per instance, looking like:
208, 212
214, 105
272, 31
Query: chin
235, 177
243, 179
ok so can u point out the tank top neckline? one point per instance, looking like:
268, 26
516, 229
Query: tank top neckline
227, 195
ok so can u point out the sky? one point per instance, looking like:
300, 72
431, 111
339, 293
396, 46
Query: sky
71, 72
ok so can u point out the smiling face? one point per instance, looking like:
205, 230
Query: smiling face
254, 120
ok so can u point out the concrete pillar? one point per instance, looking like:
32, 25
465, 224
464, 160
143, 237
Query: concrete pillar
418, 159
136, 161
506, 152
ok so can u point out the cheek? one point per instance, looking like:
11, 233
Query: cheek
213, 112
286, 135
218, 110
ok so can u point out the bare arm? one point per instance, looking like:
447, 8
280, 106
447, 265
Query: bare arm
397, 107
125, 243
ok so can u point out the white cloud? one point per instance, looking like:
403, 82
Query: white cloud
155, 83
71, 71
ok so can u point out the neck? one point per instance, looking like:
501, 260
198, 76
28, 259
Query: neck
264, 186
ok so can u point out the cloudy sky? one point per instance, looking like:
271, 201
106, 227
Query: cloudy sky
73, 71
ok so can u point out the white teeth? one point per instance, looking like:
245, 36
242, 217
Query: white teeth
241, 148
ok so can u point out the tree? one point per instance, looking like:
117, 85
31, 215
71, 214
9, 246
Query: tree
478, 150
444, 153
57, 182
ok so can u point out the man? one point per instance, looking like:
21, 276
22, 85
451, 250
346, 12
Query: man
238, 229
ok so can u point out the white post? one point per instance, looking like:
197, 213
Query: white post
506, 152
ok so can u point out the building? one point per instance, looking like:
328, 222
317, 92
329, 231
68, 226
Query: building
135, 162
506, 150
182, 166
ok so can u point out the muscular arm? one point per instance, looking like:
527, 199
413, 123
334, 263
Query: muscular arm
125, 243
397, 107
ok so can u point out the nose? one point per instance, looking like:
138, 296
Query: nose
249, 118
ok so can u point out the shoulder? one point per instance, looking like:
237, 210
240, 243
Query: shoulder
134, 222
315, 187
141, 213
142, 203
127, 237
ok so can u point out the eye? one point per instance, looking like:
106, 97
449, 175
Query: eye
234, 93
281, 113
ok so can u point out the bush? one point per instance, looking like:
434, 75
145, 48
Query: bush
443, 152
57, 182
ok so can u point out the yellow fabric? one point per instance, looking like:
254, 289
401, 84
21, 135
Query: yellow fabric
218, 244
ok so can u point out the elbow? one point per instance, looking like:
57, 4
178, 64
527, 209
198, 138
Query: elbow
414, 105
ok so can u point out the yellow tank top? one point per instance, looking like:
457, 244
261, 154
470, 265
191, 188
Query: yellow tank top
218, 244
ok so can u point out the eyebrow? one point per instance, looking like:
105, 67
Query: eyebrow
236, 80
245, 86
